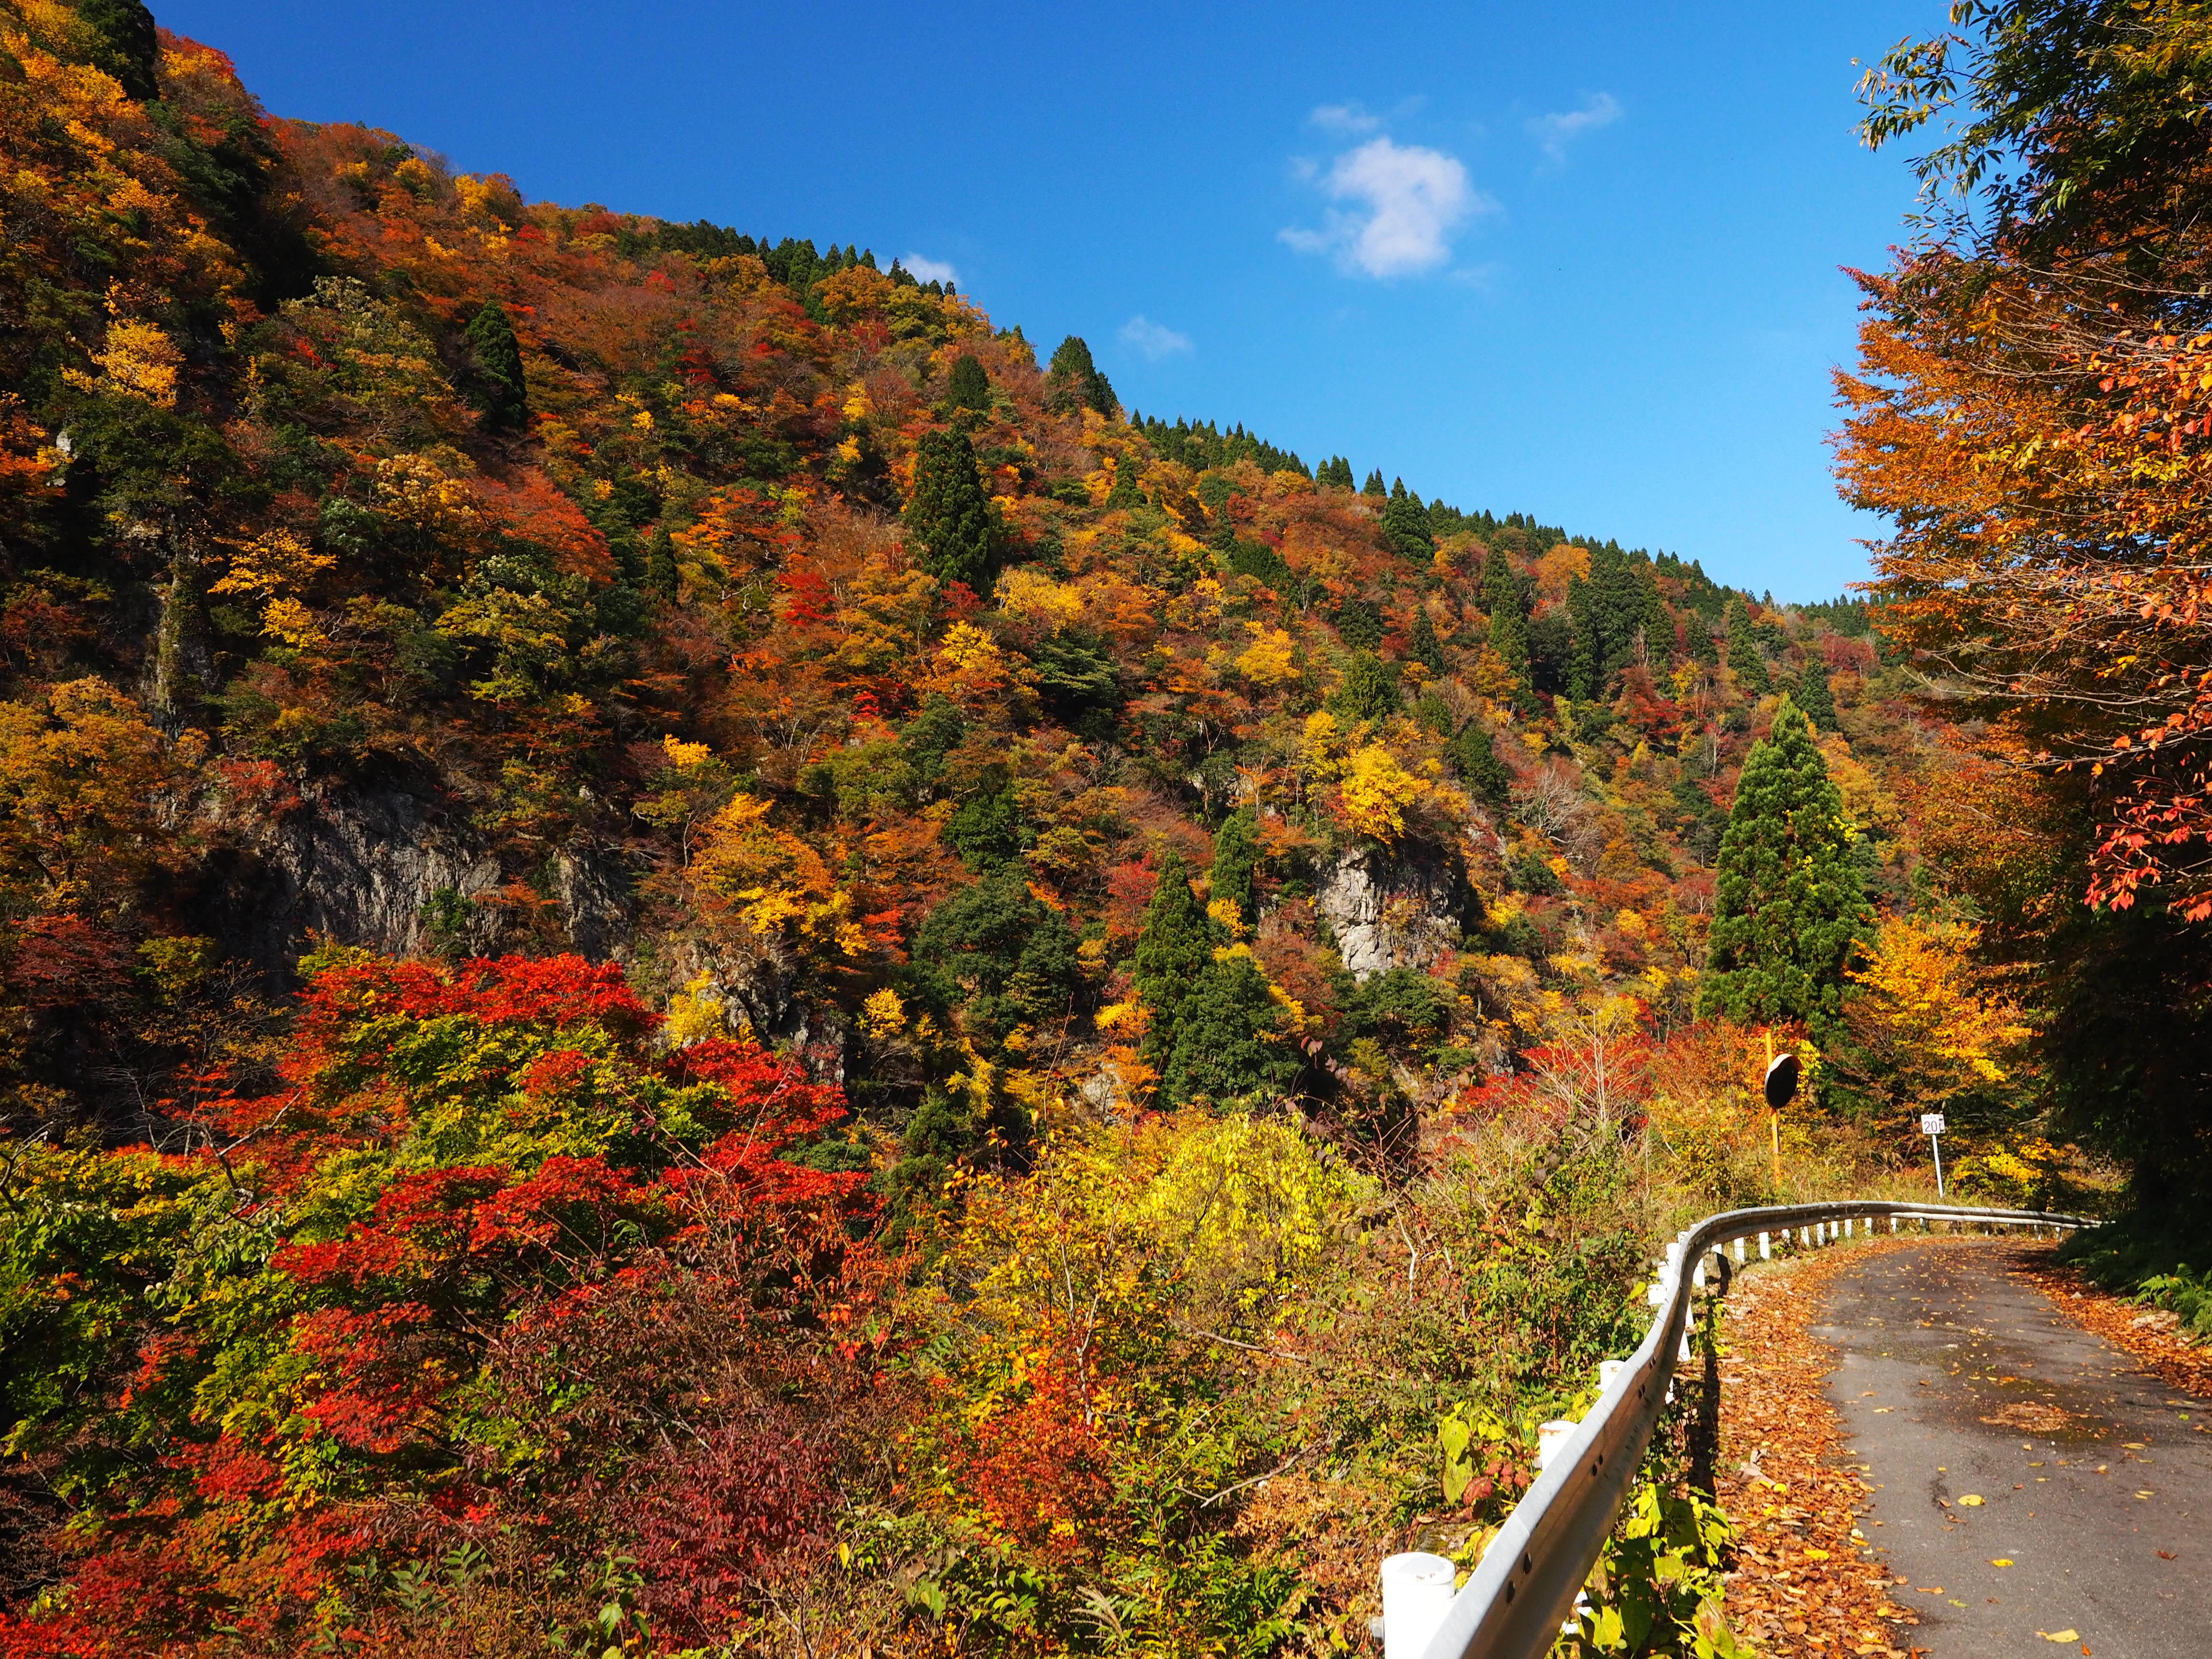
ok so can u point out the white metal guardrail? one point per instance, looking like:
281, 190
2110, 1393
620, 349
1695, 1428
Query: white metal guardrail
1512, 1606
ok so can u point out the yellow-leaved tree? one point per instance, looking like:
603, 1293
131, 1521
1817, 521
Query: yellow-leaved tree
1377, 791
1932, 1029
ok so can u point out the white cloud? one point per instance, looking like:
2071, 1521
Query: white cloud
1410, 202
926, 270
1153, 340
1553, 131
1343, 117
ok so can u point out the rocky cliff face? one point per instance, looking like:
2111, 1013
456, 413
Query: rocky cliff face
387, 868
1397, 909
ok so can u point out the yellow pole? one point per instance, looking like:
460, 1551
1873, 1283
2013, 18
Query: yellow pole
1773, 1117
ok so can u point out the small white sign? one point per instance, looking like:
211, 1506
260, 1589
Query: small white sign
1931, 1123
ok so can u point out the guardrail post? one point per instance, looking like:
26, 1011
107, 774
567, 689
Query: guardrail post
1417, 1590
1550, 1437
1740, 1257
1765, 1247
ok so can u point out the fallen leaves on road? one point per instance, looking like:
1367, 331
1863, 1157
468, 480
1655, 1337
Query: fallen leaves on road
1972, 1500
1801, 1584
2060, 1635
2180, 1365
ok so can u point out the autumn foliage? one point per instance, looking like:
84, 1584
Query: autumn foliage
694, 959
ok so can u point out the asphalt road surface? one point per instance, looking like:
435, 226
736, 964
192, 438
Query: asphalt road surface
2038, 1491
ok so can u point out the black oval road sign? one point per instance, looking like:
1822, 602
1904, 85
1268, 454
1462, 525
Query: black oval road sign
1781, 1074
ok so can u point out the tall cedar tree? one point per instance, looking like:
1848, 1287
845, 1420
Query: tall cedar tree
1474, 757
1584, 672
949, 515
1369, 691
1174, 949
1374, 485
967, 386
1406, 525
1124, 493
1699, 627
1791, 901
1744, 659
496, 386
1509, 618
1235, 860
1814, 697
1072, 382
1421, 640
1227, 1048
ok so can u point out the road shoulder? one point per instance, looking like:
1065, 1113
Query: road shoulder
1802, 1580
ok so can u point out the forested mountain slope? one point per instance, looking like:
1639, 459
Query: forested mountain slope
396, 562
690, 957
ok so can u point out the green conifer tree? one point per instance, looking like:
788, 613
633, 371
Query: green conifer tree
996, 957
1374, 485
967, 386
1815, 695
1359, 624
1228, 1047
496, 385
1124, 493
1509, 620
1421, 640
129, 46
1791, 901
949, 515
1475, 757
1175, 947
1744, 659
1703, 649
1237, 859
1369, 691
660, 572
1585, 665
1406, 525
1073, 381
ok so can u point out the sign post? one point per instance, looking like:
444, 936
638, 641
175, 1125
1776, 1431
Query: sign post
1931, 1125
1782, 1072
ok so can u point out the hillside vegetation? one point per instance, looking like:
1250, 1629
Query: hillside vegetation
693, 957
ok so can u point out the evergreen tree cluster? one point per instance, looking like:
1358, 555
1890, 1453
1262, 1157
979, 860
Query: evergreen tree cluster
1406, 525
1073, 381
1202, 447
1215, 1032
1615, 609
793, 262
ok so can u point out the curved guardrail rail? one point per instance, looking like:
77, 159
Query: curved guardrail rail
1512, 1606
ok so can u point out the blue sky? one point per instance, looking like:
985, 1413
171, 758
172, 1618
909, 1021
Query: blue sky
1580, 260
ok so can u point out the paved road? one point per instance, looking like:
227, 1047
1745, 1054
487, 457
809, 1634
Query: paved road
1956, 1381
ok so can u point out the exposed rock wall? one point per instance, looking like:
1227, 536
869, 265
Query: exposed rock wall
1395, 908
362, 864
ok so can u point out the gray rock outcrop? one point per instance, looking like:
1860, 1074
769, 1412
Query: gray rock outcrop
1399, 908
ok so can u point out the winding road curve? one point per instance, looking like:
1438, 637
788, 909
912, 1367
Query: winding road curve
2038, 1490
